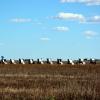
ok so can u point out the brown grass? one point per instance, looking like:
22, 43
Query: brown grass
49, 82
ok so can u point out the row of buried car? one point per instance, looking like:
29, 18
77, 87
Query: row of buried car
50, 61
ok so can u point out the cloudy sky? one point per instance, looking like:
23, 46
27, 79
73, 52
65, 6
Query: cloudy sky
50, 28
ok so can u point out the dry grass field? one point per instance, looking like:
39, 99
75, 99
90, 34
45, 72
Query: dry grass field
49, 82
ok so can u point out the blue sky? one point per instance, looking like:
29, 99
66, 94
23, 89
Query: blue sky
50, 28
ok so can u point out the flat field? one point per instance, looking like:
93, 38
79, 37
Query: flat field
49, 82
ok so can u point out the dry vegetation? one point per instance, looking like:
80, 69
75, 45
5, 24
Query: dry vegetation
49, 82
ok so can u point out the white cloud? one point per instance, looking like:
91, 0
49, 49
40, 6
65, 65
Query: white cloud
36, 21
62, 29
70, 16
94, 19
45, 39
21, 20
87, 2
90, 34
78, 17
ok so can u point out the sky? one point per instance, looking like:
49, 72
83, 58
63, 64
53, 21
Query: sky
50, 29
